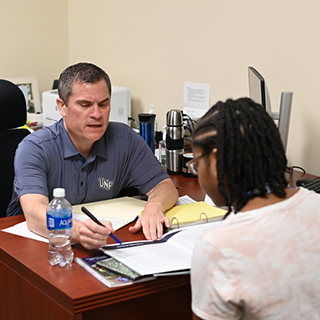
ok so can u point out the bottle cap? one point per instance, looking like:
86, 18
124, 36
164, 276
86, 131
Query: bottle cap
59, 192
151, 108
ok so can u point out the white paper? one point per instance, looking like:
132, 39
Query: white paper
184, 200
22, 230
196, 99
116, 223
172, 255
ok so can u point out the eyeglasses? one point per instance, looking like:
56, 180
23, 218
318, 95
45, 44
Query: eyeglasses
193, 164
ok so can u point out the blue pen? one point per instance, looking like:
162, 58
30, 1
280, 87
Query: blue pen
91, 216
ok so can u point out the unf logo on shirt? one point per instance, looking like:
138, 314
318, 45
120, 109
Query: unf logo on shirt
105, 183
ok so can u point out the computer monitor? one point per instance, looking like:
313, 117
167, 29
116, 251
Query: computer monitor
258, 92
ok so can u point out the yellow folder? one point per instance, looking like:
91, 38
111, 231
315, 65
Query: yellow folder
193, 213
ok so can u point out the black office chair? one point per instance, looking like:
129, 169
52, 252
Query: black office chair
13, 114
55, 84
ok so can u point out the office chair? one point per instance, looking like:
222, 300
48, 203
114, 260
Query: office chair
55, 84
13, 114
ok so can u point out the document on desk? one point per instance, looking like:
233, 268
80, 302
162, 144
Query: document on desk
119, 211
171, 253
22, 230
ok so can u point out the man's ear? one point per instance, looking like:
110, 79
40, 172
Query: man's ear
61, 105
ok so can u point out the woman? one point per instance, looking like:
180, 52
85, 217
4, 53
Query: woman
262, 261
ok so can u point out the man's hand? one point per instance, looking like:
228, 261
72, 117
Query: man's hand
151, 221
161, 198
93, 236
88, 233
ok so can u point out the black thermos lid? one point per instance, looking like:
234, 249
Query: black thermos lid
146, 117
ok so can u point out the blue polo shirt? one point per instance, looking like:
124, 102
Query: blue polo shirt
47, 159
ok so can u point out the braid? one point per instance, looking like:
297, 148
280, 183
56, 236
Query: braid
250, 153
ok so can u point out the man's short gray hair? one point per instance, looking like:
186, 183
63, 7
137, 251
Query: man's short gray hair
80, 73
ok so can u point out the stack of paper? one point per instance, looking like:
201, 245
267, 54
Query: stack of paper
172, 253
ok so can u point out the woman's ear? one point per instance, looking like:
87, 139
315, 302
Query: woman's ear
213, 158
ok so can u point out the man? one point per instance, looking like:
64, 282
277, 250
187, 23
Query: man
262, 261
91, 158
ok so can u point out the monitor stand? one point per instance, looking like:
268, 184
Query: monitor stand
283, 116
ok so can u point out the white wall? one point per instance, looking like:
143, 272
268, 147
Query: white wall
34, 39
154, 46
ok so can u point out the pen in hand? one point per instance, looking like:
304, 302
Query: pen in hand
92, 217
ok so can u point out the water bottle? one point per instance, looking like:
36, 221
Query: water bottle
161, 148
59, 229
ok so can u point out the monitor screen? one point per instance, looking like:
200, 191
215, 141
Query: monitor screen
258, 90
259, 93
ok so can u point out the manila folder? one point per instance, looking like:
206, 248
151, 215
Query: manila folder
124, 208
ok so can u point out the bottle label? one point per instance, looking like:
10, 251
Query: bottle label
57, 223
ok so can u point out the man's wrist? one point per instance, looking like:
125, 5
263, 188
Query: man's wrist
154, 206
75, 231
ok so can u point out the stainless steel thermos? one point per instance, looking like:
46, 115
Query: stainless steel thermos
174, 141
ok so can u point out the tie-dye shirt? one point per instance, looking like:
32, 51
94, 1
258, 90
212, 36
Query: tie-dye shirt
261, 264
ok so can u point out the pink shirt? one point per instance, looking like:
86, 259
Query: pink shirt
261, 264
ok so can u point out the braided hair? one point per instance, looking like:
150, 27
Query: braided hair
250, 153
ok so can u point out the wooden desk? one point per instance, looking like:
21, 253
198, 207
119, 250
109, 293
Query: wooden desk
188, 186
32, 289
